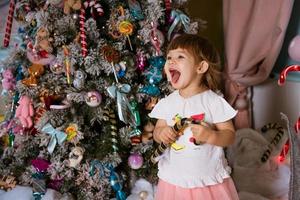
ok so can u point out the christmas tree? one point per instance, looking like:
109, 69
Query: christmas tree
78, 88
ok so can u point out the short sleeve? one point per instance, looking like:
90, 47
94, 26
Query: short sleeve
160, 110
221, 110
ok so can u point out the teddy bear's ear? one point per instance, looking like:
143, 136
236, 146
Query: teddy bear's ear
240, 146
276, 136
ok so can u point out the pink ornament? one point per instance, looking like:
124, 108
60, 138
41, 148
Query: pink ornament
25, 111
93, 98
294, 48
135, 161
157, 38
8, 82
40, 164
36, 58
141, 61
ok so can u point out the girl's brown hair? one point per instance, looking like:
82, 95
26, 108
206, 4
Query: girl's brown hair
202, 50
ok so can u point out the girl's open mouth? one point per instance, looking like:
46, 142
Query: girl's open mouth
175, 75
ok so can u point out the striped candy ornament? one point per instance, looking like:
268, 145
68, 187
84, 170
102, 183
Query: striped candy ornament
94, 5
82, 32
9, 22
110, 117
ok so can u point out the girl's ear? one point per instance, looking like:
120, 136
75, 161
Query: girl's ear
202, 67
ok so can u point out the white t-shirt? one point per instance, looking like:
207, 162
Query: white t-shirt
194, 165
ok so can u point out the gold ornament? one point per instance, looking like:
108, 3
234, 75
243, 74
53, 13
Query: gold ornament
7, 182
34, 71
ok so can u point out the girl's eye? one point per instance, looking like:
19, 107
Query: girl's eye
168, 58
180, 57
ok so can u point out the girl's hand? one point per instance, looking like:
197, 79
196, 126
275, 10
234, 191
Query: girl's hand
201, 132
168, 135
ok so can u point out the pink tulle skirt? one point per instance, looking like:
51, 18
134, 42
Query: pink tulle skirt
222, 191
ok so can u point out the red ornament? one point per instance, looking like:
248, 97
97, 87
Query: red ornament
82, 32
297, 125
284, 151
9, 22
283, 74
281, 80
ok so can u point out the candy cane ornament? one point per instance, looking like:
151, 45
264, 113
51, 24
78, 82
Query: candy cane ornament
94, 5
9, 23
82, 32
283, 73
281, 81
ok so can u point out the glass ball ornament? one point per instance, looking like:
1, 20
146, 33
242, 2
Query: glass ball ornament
56, 67
93, 98
135, 161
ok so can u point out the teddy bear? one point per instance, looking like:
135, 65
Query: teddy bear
71, 4
43, 40
8, 81
257, 172
40, 51
25, 111
79, 79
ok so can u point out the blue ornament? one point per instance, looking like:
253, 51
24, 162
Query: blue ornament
19, 71
135, 9
153, 75
151, 90
157, 61
121, 73
154, 72
116, 184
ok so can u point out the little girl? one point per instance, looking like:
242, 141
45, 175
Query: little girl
197, 170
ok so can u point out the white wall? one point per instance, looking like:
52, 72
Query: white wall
269, 99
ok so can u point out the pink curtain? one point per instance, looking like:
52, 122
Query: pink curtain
253, 32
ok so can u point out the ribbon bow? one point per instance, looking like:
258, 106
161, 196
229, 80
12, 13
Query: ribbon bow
56, 136
178, 16
124, 112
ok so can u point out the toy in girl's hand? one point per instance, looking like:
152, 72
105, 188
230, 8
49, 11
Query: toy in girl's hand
8, 82
180, 125
25, 111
